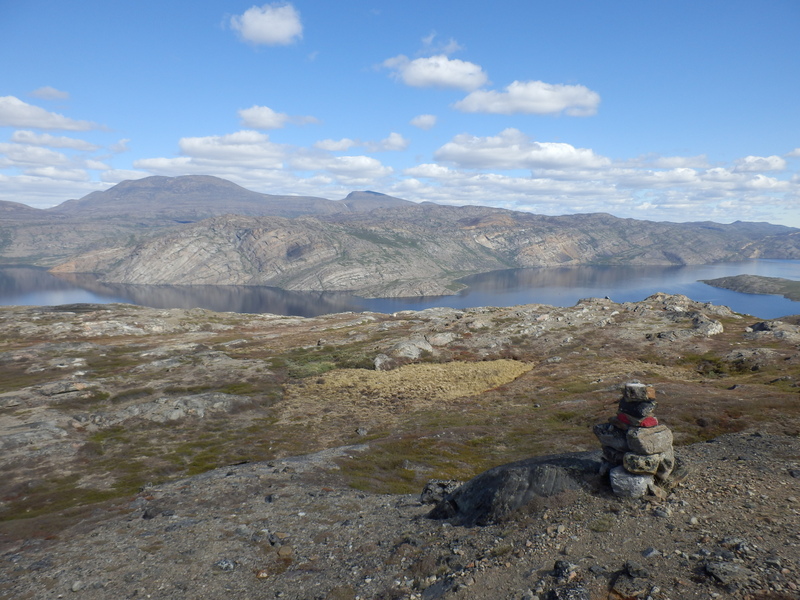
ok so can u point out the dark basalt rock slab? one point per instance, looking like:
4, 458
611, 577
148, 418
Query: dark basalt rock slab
495, 494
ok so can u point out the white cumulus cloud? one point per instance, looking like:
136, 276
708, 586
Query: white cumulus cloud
358, 167
512, 149
244, 146
533, 97
437, 71
52, 141
393, 142
50, 93
424, 121
262, 117
271, 24
34, 156
16, 113
56, 173
752, 164
336, 145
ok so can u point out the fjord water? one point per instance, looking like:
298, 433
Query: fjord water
562, 286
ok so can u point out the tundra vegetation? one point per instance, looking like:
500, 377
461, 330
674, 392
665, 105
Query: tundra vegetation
97, 401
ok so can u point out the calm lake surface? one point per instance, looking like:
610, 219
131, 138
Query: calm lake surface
554, 286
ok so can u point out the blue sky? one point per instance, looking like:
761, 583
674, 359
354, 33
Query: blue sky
678, 111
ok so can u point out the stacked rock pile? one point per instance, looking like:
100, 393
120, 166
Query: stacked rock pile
636, 448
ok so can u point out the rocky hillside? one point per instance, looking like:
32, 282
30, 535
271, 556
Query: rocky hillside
190, 454
369, 243
134, 210
409, 250
757, 284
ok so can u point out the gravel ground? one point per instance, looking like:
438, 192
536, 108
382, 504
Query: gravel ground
292, 529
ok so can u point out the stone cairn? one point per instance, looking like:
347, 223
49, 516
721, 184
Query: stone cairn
636, 449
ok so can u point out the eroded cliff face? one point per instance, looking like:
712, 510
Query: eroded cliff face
401, 251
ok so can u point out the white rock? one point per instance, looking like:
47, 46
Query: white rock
628, 485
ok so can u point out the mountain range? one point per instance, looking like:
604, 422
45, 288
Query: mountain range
205, 230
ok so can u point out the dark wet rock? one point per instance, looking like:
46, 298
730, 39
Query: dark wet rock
562, 569
497, 493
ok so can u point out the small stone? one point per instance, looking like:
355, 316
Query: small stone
77, 586
629, 587
562, 569
634, 569
285, 552
650, 553
573, 592
657, 491
728, 573
225, 565
663, 512
693, 521
638, 392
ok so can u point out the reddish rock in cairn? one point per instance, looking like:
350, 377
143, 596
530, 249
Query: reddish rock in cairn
637, 450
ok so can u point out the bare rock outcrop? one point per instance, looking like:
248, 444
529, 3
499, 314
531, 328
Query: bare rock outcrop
499, 492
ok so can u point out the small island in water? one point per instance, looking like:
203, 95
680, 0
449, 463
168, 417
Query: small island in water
756, 284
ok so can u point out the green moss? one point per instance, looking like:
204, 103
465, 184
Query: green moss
602, 524
309, 362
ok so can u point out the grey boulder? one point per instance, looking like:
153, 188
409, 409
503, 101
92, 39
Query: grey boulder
497, 493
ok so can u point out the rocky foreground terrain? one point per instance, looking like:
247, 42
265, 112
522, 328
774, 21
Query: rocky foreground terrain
190, 454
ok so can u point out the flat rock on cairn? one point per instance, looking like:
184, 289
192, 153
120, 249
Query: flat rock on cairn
637, 449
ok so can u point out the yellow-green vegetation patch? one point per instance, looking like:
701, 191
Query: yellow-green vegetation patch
353, 393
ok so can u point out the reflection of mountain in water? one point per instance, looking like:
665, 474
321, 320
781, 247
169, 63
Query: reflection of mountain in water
15, 281
562, 286
222, 298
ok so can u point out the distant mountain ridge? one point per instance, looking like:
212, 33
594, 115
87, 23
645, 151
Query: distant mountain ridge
190, 198
136, 209
205, 230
